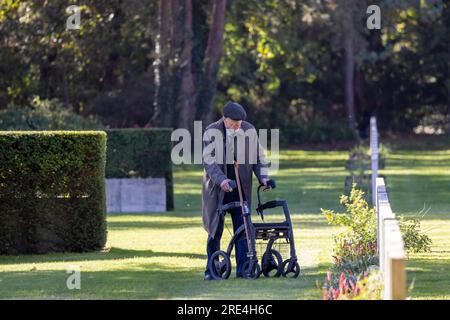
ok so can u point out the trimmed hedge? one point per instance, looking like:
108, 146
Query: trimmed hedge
141, 153
52, 191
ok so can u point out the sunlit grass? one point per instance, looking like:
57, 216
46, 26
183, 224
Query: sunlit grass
418, 183
162, 255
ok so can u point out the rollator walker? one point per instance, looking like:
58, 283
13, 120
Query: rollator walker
271, 263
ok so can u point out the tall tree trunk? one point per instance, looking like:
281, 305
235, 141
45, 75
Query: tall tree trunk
186, 97
365, 108
349, 74
185, 84
162, 106
446, 18
46, 73
205, 104
175, 50
360, 91
110, 80
175, 28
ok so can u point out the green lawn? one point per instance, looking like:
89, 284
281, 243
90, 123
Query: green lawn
161, 255
418, 180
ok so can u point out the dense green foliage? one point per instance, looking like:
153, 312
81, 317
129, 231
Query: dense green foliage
357, 244
354, 274
44, 115
141, 153
359, 167
52, 191
359, 157
283, 60
414, 239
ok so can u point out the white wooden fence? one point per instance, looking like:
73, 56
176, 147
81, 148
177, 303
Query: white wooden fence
390, 247
390, 242
374, 155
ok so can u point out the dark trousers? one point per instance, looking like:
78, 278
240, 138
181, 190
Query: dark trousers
213, 244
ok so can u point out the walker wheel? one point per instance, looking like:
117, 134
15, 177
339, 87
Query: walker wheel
272, 261
291, 268
219, 265
252, 270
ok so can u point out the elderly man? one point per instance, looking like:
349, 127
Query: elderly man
218, 173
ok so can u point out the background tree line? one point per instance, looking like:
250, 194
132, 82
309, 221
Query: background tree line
310, 68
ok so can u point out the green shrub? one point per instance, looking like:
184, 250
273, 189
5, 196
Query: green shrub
357, 244
299, 133
358, 163
359, 158
354, 273
141, 153
414, 239
52, 191
363, 182
44, 115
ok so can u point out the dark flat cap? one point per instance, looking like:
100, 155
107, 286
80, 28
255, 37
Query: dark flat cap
234, 111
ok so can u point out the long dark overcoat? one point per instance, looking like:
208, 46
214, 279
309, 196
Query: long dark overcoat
215, 172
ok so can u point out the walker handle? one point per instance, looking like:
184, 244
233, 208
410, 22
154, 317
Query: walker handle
271, 184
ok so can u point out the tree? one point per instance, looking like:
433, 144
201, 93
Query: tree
187, 64
310, 68
347, 17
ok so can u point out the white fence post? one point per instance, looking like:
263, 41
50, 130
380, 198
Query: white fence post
384, 212
390, 247
374, 156
391, 250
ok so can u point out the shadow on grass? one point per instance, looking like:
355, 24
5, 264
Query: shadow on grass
431, 277
420, 142
156, 281
126, 225
308, 163
270, 216
109, 254
410, 194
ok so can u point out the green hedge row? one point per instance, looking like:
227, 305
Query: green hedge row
141, 153
52, 191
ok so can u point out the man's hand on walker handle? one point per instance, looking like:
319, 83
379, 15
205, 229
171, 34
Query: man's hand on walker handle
226, 186
264, 182
268, 184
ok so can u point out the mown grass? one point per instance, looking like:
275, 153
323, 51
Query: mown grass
418, 182
162, 255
